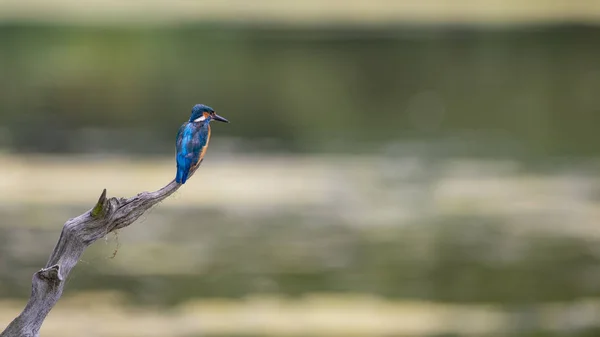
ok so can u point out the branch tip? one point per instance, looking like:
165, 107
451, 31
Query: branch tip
102, 196
99, 205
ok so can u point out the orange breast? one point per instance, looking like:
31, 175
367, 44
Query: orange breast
204, 148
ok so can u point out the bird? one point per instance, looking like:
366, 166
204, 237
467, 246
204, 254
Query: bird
192, 140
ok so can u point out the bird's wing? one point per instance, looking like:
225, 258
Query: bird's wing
185, 147
191, 146
195, 146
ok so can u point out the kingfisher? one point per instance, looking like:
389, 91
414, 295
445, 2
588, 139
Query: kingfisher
192, 140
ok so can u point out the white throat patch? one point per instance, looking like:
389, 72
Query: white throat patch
200, 119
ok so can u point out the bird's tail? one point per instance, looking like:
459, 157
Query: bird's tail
181, 176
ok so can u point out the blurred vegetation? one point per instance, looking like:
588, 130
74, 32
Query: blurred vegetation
125, 90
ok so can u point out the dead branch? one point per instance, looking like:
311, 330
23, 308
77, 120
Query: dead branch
109, 214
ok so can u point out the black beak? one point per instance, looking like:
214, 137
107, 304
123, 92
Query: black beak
219, 118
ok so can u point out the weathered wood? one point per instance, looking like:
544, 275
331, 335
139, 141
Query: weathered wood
107, 215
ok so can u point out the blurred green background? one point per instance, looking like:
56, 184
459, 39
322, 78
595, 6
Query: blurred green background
393, 168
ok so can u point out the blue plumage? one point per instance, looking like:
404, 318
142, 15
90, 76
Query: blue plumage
192, 140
